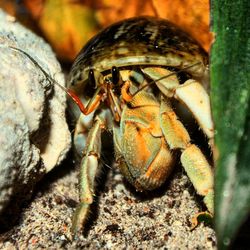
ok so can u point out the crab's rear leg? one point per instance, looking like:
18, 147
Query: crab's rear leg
191, 93
88, 171
192, 159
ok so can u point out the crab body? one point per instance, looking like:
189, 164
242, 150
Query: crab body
113, 76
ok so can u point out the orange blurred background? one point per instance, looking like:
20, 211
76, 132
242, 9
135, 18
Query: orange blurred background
68, 24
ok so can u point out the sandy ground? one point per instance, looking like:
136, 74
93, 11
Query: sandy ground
120, 218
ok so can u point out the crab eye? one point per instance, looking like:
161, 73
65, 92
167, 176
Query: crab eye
91, 78
90, 85
115, 75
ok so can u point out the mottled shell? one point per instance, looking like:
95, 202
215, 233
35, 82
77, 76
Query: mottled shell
139, 41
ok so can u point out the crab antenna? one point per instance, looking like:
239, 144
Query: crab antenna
69, 92
161, 78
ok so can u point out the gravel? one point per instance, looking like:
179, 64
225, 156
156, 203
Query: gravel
121, 218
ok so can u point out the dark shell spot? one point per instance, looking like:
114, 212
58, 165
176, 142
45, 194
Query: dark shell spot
79, 78
147, 59
180, 55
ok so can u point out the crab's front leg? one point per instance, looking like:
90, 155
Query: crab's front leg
191, 93
192, 159
88, 171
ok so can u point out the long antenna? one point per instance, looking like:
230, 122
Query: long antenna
163, 77
68, 91
37, 64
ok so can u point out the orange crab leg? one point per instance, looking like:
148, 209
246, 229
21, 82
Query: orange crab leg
125, 92
92, 104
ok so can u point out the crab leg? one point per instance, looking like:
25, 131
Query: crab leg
199, 104
88, 172
191, 93
192, 159
83, 125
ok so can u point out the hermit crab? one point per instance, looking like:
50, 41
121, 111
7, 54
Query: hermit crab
124, 81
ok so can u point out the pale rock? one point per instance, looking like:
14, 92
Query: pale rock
34, 135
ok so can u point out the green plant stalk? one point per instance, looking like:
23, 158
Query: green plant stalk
230, 96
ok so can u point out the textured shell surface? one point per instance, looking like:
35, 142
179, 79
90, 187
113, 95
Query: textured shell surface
139, 41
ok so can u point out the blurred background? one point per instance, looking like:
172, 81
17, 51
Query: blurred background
68, 24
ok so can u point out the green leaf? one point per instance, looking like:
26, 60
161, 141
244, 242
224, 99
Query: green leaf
230, 94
